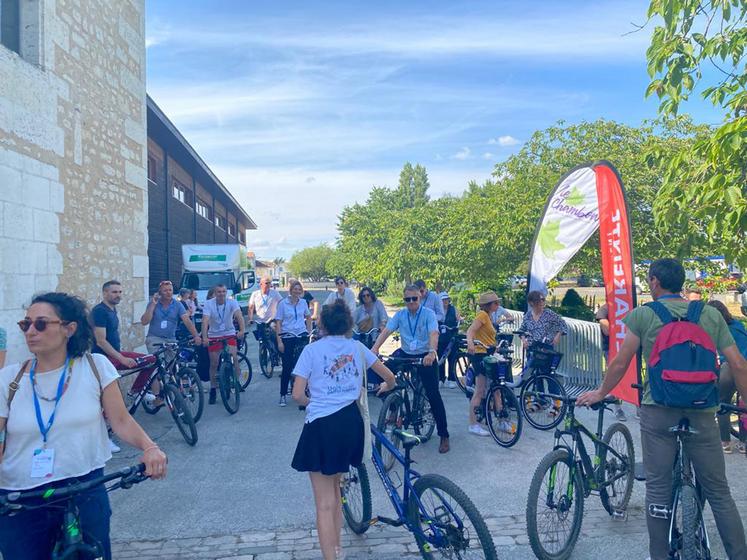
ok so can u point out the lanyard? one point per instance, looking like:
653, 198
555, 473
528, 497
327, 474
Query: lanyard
264, 299
60, 389
219, 314
161, 314
295, 308
417, 318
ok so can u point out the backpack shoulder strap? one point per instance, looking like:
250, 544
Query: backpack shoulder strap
95, 370
661, 311
694, 310
13, 386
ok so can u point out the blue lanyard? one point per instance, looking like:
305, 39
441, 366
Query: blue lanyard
219, 314
295, 308
417, 318
60, 388
264, 298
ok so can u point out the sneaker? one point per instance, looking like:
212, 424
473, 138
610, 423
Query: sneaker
726, 446
506, 426
113, 447
620, 414
451, 384
478, 430
283, 401
149, 398
211, 398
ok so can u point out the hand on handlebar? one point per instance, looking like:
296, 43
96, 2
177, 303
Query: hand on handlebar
128, 362
590, 397
155, 462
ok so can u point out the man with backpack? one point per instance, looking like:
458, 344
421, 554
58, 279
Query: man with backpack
680, 341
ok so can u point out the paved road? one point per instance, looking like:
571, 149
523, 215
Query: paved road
235, 495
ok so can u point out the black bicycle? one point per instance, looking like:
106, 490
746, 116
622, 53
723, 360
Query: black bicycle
168, 393
184, 375
245, 366
567, 475
269, 357
405, 407
367, 338
229, 386
70, 542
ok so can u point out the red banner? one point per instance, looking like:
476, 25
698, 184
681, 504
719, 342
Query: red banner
617, 268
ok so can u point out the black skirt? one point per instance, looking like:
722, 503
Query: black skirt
332, 443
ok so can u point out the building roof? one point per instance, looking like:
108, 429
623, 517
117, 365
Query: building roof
166, 130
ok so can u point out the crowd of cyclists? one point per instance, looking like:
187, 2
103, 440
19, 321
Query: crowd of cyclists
56, 433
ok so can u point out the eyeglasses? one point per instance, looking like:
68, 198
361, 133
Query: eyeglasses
40, 324
411, 299
366, 295
339, 282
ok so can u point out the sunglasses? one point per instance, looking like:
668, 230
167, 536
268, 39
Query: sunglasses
411, 299
39, 324
366, 295
339, 282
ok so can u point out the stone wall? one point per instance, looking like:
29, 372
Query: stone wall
73, 193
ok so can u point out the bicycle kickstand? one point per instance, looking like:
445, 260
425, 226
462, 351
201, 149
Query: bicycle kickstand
386, 521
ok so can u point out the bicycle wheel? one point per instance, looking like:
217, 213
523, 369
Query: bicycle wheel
355, 493
245, 370
265, 361
392, 415
618, 474
693, 543
503, 416
542, 412
229, 387
450, 525
180, 413
190, 386
462, 363
424, 422
553, 529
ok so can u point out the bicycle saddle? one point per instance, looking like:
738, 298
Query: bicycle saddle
408, 440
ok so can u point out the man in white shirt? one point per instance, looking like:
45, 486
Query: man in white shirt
218, 316
262, 308
431, 300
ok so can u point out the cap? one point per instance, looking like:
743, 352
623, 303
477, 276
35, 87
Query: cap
444, 295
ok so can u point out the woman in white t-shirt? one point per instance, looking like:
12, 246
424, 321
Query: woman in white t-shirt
69, 442
332, 438
342, 293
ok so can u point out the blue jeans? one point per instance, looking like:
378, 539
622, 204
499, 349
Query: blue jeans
31, 534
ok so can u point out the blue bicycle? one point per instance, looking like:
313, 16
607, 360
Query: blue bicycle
443, 520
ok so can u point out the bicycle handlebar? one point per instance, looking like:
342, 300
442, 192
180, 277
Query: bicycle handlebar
728, 408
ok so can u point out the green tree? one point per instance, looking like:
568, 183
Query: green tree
311, 262
700, 38
413, 186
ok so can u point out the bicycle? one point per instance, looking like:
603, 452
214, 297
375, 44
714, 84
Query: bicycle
406, 405
245, 366
228, 384
70, 541
567, 475
269, 357
367, 338
428, 507
169, 392
184, 375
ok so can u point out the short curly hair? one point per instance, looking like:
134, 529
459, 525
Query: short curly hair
71, 309
336, 319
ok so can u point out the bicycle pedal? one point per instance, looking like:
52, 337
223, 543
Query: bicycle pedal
619, 515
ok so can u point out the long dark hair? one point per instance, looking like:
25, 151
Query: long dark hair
728, 317
365, 289
71, 309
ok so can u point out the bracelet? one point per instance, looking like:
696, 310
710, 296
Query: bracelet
154, 446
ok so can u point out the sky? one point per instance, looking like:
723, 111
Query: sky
301, 107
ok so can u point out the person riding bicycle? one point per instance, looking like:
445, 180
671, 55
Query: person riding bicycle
52, 430
666, 277
343, 293
418, 329
262, 308
482, 330
451, 321
292, 328
430, 300
370, 313
218, 317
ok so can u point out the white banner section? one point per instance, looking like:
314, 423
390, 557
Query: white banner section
571, 217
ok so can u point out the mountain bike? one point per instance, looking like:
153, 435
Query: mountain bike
406, 406
184, 375
169, 393
443, 520
269, 357
245, 366
70, 542
567, 475
228, 384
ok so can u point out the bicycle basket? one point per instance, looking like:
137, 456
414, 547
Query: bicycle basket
507, 337
545, 360
496, 369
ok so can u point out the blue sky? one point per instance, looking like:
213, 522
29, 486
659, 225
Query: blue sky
300, 107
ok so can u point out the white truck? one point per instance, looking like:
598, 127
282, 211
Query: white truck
206, 266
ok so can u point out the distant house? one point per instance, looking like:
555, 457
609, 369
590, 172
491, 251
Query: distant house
266, 267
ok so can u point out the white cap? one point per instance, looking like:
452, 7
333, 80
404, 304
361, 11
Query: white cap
444, 295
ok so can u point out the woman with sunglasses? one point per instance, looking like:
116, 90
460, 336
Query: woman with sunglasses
541, 324
370, 314
52, 430
343, 293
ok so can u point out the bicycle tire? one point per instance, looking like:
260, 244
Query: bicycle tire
392, 415
354, 485
180, 413
424, 422
551, 411
265, 361
460, 367
229, 388
692, 544
510, 413
245, 369
192, 393
565, 504
611, 467
457, 540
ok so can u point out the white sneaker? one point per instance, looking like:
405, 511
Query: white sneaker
113, 447
149, 397
478, 430
451, 384
283, 401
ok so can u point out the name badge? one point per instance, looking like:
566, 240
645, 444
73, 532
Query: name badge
42, 464
164, 324
413, 345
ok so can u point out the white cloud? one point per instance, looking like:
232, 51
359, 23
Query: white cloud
463, 154
488, 156
504, 141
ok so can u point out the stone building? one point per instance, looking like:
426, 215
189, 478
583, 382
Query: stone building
73, 188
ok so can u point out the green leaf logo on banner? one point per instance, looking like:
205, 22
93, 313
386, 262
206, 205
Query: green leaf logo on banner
576, 198
548, 238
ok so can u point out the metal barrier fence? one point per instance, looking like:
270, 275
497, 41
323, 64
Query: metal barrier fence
583, 358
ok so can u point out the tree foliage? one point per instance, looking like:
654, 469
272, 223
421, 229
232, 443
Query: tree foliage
311, 263
700, 46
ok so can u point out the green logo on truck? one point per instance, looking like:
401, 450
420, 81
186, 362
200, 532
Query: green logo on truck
209, 258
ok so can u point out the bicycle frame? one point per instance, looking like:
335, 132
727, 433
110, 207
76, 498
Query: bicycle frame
438, 539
